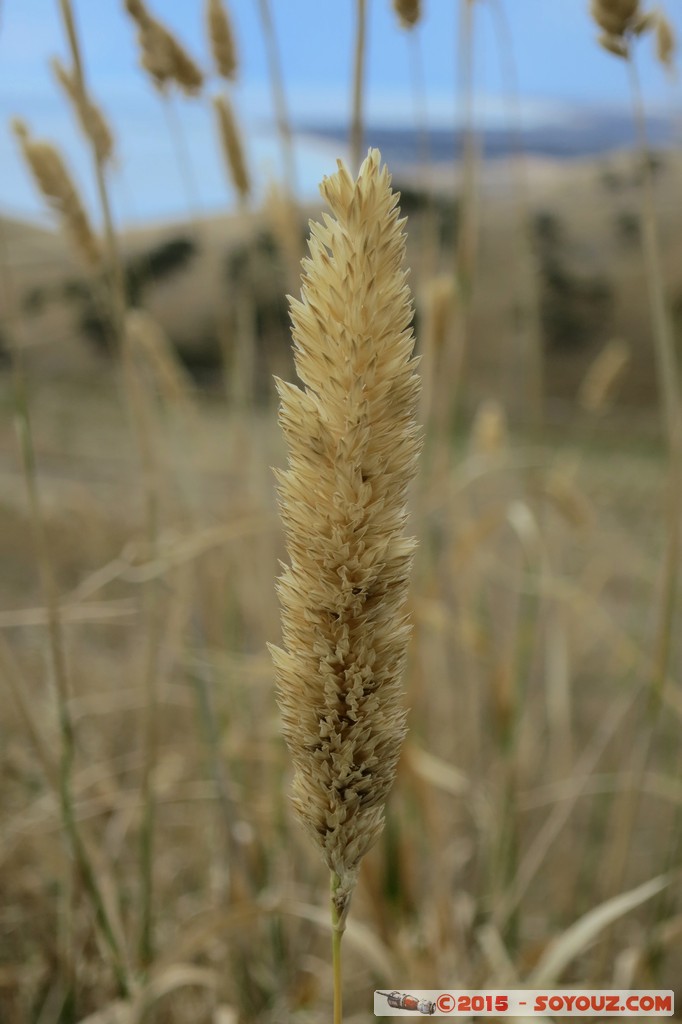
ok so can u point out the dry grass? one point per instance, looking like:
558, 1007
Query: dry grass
221, 36
353, 443
233, 150
54, 181
536, 783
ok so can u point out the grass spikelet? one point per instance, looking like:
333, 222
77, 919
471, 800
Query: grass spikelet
614, 16
90, 116
222, 39
438, 306
561, 487
600, 380
438, 309
353, 445
231, 143
147, 336
618, 19
612, 44
162, 55
55, 183
408, 11
666, 44
489, 430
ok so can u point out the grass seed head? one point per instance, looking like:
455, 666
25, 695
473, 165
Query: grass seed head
408, 11
666, 44
90, 116
162, 55
55, 183
353, 446
618, 20
231, 143
222, 39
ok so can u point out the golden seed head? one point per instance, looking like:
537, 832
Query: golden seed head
163, 56
231, 143
222, 39
91, 118
666, 44
615, 17
55, 183
353, 445
408, 11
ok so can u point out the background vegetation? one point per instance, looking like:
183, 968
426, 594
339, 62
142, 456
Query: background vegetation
150, 868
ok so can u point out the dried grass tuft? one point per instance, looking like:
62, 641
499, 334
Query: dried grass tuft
55, 183
231, 143
222, 39
90, 116
353, 445
163, 55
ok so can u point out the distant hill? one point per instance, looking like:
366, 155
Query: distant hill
578, 133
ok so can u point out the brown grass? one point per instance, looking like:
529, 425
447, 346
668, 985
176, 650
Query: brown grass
535, 784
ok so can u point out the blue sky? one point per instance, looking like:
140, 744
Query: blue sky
552, 41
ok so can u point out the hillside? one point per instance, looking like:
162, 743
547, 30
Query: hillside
564, 229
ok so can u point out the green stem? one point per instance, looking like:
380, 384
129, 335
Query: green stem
337, 934
669, 389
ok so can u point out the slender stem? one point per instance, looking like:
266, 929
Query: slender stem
357, 131
143, 431
337, 934
668, 377
465, 256
183, 158
278, 96
60, 670
534, 361
430, 220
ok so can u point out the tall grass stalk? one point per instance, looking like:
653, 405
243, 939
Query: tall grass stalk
138, 405
669, 385
625, 812
184, 160
111, 937
353, 444
533, 354
467, 238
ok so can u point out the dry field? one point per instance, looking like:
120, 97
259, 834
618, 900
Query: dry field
151, 866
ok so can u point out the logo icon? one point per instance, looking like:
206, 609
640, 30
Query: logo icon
403, 1001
